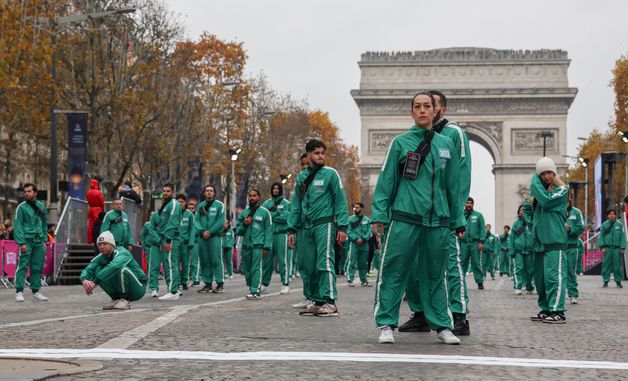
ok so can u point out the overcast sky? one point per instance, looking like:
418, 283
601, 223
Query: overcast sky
310, 49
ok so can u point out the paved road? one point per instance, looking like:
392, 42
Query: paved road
227, 325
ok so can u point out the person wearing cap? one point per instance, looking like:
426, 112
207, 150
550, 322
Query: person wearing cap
547, 211
168, 228
31, 235
575, 228
116, 272
417, 197
117, 222
612, 241
279, 209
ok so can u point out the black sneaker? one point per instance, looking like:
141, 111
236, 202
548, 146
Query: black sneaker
555, 318
185, 287
416, 323
540, 316
605, 284
206, 288
461, 325
481, 286
619, 285
218, 289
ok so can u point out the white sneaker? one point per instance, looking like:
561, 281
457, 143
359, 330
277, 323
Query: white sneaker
574, 300
39, 296
447, 337
350, 284
533, 292
121, 304
109, 306
517, 292
263, 289
19, 296
302, 304
170, 296
284, 290
154, 294
386, 336
230, 276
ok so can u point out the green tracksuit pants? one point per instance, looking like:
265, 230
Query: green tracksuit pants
611, 263
195, 264
456, 282
504, 262
279, 253
308, 287
227, 259
550, 269
572, 267
357, 256
316, 247
524, 271
579, 268
210, 257
252, 267
34, 258
186, 261
471, 253
293, 261
487, 263
124, 285
171, 261
406, 248
153, 255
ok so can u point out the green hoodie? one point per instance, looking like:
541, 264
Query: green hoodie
576, 226
229, 241
118, 224
324, 201
258, 234
103, 267
210, 217
461, 143
279, 209
475, 227
521, 237
550, 215
186, 229
29, 225
433, 198
150, 235
612, 235
359, 228
169, 221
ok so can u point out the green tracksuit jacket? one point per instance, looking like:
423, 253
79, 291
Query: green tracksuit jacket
613, 241
420, 213
151, 241
521, 238
118, 224
210, 217
118, 275
279, 209
187, 229
357, 255
576, 227
460, 139
169, 221
229, 241
30, 229
475, 227
521, 248
256, 237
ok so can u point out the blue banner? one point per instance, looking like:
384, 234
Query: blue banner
77, 145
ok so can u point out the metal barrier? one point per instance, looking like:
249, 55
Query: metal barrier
72, 229
592, 252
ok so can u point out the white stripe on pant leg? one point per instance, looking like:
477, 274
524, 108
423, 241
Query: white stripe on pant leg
198, 264
451, 317
261, 273
329, 270
462, 277
222, 263
348, 260
149, 265
285, 261
381, 269
560, 280
170, 271
514, 272
122, 281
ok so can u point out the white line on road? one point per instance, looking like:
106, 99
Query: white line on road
101, 353
35, 322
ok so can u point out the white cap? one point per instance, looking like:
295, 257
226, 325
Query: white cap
106, 237
545, 164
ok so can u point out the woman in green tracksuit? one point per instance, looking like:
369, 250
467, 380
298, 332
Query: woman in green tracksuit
575, 228
613, 242
417, 194
256, 227
521, 248
150, 243
549, 203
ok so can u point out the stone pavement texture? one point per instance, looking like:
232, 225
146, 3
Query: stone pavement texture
597, 330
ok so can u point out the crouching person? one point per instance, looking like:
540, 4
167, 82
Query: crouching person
116, 272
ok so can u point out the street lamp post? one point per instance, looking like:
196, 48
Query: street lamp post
585, 164
233, 153
545, 135
53, 214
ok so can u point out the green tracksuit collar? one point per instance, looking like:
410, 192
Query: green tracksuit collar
419, 131
275, 198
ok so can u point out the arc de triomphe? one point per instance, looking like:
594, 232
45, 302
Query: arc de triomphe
504, 99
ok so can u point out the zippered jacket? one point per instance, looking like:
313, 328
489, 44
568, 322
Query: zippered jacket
550, 215
259, 233
279, 209
612, 235
210, 217
359, 228
30, 225
102, 268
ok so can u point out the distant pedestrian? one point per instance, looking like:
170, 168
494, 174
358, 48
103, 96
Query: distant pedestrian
96, 203
117, 222
612, 242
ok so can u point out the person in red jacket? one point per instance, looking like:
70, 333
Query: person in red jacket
96, 203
